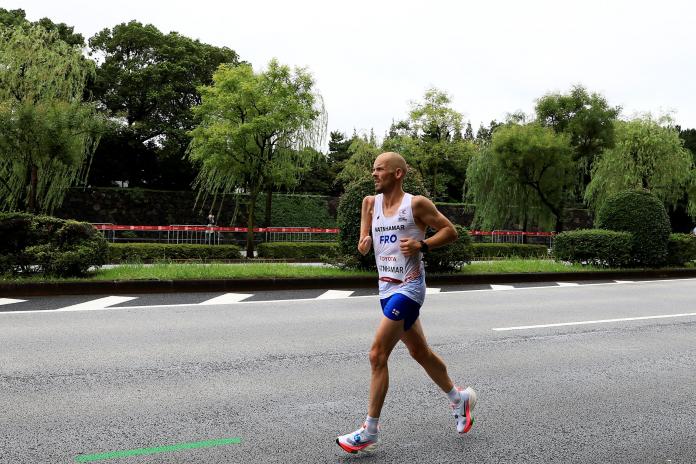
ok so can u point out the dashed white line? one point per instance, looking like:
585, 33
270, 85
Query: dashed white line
330, 294
227, 298
600, 321
502, 287
6, 301
431, 291
335, 294
99, 303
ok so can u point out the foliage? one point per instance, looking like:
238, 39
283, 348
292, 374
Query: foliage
300, 211
648, 154
17, 18
586, 118
148, 81
254, 130
523, 176
50, 245
349, 213
362, 157
431, 141
451, 257
508, 250
593, 246
681, 249
46, 132
147, 252
643, 215
298, 250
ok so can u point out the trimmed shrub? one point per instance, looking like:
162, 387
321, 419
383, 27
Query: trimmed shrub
643, 215
298, 250
594, 246
295, 211
348, 217
451, 257
681, 249
509, 250
140, 252
56, 247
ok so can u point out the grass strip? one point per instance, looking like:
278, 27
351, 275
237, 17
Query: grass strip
179, 271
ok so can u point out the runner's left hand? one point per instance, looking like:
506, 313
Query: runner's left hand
409, 247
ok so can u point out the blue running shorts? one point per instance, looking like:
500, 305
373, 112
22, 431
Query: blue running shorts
397, 307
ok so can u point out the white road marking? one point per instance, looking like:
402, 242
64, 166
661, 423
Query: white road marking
302, 300
430, 291
502, 287
600, 321
99, 303
335, 294
227, 298
453, 292
567, 284
6, 301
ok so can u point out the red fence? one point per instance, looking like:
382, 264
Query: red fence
214, 229
212, 234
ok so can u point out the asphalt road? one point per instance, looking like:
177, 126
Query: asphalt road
287, 375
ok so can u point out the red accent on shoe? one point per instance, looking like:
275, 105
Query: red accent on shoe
352, 449
469, 422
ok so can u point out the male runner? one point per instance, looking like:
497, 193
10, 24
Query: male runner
397, 221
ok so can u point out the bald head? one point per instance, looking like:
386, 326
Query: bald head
393, 160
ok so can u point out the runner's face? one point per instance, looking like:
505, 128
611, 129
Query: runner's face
383, 174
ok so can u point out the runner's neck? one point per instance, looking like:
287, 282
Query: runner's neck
391, 201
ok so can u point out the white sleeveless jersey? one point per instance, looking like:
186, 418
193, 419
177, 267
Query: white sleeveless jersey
397, 273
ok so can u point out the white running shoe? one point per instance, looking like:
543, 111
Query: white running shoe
358, 442
462, 411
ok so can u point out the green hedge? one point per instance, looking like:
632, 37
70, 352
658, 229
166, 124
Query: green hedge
509, 250
55, 247
681, 249
450, 257
139, 252
296, 211
594, 246
298, 250
643, 215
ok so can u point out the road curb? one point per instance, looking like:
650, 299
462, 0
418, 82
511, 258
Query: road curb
246, 285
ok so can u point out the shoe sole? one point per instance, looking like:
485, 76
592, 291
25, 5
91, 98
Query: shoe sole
368, 449
469, 409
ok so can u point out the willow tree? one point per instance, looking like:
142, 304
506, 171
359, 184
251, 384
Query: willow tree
648, 154
500, 200
525, 175
253, 131
47, 133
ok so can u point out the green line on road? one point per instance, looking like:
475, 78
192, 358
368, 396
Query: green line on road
158, 449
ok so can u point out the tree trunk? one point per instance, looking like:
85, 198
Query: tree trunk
33, 185
433, 194
250, 225
525, 224
269, 205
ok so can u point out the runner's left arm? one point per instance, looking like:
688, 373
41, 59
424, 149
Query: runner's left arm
426, 214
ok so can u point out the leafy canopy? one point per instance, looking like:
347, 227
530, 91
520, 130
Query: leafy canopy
648, 154
255, 129
46, 132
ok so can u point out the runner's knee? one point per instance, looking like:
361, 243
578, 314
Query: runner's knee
378, 357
